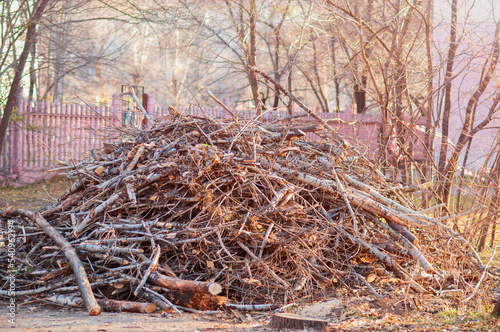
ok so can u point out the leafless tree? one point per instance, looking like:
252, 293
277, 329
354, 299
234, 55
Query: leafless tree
34, 12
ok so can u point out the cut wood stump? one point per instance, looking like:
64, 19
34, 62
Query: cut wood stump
289, 321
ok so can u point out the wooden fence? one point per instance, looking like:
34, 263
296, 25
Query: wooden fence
39, 135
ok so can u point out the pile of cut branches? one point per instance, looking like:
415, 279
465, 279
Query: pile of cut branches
251, 210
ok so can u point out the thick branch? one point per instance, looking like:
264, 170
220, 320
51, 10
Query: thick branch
70, 253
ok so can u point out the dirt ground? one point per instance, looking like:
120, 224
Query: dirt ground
347, 310
53, 319
33, 196
356, 313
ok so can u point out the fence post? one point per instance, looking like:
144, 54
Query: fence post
116, 107
150, 103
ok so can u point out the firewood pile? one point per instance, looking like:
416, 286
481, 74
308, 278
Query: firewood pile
200, 213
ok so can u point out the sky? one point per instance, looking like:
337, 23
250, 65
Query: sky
476, 10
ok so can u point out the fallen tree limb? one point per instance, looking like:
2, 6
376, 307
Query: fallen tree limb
127, 306
139, 104
99, 209
412, 249
184, 286
251, 307
8, 293
199, 301
152, 267
70, 253
362, 202
107, 305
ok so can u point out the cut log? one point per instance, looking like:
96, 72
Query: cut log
289, 321
66, 300
252, 307
160, 300
184, 286
127, 306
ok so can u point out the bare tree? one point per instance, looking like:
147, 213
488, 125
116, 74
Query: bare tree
448, 94
468, 130
383, 56
35, 13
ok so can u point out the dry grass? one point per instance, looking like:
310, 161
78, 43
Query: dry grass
33, 196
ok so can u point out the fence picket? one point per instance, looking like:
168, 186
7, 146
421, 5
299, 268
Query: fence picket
78, 128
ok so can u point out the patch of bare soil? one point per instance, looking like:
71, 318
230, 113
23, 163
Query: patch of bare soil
36, 318
34, 196
349, 313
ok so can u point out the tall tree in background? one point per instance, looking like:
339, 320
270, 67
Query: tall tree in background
448, 80
383, 58
251, 52
468, 130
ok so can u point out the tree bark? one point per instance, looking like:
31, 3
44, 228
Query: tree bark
429, 108
289, 321
445, 122
251, 56
493, 206
467, 132
199, 301
277, 40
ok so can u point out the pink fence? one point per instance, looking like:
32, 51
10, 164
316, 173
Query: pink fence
41, 135
45, 133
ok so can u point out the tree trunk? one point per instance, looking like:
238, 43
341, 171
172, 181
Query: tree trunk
33, 75
494, 204
251, 56
428, 168
336, 79
277, 40
467, 132
447, 98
